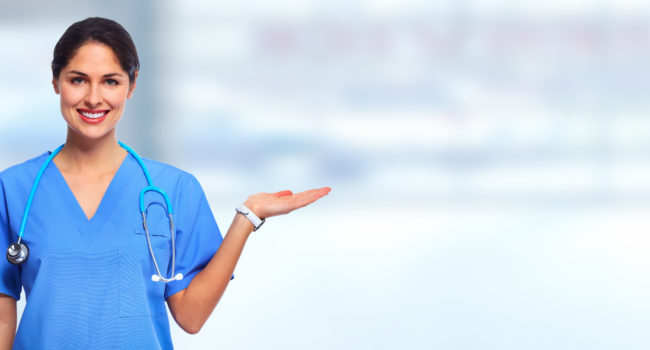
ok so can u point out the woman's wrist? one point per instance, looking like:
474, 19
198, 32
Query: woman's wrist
247, 225
254, 208
246, 211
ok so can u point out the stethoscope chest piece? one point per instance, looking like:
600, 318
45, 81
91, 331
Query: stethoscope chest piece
17, 253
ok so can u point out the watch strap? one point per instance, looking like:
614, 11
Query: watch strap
254, 219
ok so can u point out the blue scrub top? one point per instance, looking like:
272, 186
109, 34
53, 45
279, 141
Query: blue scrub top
88, 282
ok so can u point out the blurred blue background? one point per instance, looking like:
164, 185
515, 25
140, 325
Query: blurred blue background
490, 161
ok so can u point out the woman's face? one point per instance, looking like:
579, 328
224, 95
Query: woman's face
93, 88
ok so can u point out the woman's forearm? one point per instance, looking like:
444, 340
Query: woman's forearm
192, 306
7, 321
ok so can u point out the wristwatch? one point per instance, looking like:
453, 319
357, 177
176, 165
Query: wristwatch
256, 221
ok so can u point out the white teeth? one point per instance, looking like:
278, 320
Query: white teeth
93, 115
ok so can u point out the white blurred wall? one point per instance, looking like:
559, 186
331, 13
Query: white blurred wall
490, 161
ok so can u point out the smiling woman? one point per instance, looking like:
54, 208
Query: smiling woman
95, 67
93, 89
85, 224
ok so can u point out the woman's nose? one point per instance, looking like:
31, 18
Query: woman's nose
93, 97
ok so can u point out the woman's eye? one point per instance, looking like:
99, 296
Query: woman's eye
77, 81
111, 82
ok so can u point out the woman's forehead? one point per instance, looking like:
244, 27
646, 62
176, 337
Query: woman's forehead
97, 58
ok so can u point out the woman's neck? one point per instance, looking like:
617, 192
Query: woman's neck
80, 155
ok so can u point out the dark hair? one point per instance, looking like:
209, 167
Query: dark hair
101, 30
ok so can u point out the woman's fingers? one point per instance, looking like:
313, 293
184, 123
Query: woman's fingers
271, 204
302, 199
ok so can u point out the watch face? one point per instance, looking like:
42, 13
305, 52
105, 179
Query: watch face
243, 210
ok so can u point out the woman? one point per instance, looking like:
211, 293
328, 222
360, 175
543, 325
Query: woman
96, 276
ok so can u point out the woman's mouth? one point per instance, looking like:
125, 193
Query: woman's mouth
92, 116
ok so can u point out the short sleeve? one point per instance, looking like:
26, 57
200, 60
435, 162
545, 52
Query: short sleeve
197, 234
10, 281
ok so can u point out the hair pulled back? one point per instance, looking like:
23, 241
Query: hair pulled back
101, 30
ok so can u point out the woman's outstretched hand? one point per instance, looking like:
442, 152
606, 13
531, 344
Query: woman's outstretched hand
265, 205
192, 306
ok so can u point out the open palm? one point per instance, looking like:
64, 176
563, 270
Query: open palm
265, 205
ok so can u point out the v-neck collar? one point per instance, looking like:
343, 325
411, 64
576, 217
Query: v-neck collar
106, 197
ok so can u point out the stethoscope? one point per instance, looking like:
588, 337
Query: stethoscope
18, 252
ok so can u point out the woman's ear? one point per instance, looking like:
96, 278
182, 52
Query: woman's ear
132, 85
55, 84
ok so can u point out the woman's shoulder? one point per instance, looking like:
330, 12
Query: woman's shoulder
167, 172
26, 168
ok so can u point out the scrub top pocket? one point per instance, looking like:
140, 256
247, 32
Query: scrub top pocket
158, 226
139, 295
159, 240
152, 232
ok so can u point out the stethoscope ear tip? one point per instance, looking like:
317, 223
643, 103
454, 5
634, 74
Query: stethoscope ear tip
155, 278
179, 276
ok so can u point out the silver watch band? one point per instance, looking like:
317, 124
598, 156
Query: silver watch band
256, 221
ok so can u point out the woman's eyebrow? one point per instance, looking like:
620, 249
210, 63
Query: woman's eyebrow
85, 75
112, 75
78, 73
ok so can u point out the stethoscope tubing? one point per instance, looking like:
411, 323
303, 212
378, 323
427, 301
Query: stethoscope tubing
143, 210
28, 206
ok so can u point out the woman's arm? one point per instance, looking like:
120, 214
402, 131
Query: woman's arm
192, 306
7, 321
